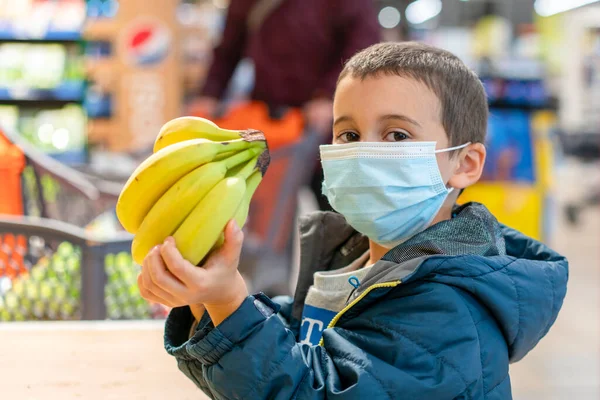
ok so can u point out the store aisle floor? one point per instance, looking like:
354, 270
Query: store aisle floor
566, 363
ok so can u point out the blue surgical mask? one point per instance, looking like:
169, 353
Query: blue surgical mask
386, 191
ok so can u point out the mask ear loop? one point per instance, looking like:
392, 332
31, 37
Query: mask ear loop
462, 146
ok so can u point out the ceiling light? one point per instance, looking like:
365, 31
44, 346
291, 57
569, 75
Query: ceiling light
389, 17
545, 8
421, 11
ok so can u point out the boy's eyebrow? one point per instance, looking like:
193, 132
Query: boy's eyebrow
401, 117
346, 118
341, 119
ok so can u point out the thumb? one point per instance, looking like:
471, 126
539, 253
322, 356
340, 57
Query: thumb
229, 253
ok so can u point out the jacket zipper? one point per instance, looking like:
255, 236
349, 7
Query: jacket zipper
359, 298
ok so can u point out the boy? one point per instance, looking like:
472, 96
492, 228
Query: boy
422, 299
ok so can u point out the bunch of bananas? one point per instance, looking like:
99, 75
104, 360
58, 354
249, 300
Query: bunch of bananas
198, 179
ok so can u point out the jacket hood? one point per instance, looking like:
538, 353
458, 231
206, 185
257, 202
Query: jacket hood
519, 280
524, 289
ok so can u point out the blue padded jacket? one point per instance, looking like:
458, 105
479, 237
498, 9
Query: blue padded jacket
435, 319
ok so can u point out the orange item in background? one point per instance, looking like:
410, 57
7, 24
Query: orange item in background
255, 115
12, 255
12, 162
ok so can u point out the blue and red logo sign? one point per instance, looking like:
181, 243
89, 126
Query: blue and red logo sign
147, 42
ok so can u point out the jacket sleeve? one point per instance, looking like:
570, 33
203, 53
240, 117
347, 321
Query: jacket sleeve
251, 355
357, 28
228, 53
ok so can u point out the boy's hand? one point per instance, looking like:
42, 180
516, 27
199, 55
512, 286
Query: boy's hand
169, 279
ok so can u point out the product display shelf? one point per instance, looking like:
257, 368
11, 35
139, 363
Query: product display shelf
33, 104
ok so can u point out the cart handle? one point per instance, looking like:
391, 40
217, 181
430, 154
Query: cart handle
32, 226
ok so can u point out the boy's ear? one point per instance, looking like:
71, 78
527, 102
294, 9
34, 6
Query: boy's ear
469, 167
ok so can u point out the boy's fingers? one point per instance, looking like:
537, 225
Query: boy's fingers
161, 276
147, 294
229, 254
150, 287
144, 277
172, 300
176, 264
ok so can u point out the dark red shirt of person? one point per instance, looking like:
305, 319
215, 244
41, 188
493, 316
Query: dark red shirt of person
298, 51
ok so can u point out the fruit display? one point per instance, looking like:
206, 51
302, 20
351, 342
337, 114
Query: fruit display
57, 132
198, 179
43, 75
51, 289
12, 256
42, 19
27, 69
122, 297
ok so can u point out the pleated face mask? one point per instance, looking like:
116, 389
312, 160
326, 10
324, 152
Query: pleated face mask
386, 191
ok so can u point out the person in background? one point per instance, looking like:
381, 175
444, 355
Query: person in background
298, 48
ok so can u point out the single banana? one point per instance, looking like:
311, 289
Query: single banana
241, 215
186, 128
174, 206
224, 155
201, 229
160, 171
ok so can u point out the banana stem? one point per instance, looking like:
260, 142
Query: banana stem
230, 131
240, 157
248, 169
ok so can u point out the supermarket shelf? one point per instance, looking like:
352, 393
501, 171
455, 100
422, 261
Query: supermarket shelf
551, 105
41, 104
56, 36
71, 157
66, 92
525, 79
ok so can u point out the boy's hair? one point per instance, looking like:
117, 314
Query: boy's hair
464, 109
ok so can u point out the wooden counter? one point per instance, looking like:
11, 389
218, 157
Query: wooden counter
89, 360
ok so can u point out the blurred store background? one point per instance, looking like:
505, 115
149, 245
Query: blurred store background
85, 86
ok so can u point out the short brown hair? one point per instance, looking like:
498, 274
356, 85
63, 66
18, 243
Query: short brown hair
464, 108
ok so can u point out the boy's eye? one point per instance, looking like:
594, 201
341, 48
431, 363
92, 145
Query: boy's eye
396, 136
347, 137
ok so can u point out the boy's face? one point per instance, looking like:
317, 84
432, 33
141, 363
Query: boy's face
390, 109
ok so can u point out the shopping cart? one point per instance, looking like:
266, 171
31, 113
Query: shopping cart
51, 265
51, 189
51, 270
